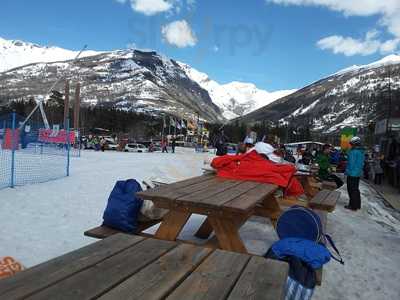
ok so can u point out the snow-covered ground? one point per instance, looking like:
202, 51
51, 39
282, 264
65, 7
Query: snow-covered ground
39, 222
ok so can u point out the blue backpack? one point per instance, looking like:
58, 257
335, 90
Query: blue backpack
123, 206
303, 223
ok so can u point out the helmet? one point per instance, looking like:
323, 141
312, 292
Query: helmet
356, 141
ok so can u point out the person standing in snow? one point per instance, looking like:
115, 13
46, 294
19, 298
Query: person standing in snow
377, 168
354, 170
103, 144
164, 146
173, 144
220, 144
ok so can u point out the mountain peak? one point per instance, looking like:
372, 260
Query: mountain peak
16, 53
385, 61
234, 98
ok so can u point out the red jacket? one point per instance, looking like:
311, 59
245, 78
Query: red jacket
253, 167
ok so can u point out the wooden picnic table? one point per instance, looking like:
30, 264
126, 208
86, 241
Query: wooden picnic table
133, 267
309, 183
226, 203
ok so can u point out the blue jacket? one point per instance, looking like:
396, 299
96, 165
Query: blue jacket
355, 162
312, 253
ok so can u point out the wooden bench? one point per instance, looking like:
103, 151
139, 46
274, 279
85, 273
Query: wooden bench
102, 232
325, 200
133, 267
329, 185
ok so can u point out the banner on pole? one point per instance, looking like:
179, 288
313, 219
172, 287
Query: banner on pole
10, 139
346, 135
172, 122
47, 136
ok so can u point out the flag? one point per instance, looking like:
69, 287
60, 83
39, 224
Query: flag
183, 124
172, 122
346, 135
178, 125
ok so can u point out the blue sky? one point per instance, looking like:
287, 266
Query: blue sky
276, 44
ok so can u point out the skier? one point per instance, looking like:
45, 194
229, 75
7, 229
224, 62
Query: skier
354, 170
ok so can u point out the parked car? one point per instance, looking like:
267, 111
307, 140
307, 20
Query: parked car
112, 146
139, 148
154, 148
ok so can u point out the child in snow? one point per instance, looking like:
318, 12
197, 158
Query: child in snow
354, 170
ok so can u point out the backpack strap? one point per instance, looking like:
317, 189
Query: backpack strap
340, 259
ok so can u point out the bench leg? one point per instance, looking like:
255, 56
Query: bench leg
310, 188
205, 230
227, 232
270, 209
172, 225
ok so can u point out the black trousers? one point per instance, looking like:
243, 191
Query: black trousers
353, 188
378, 179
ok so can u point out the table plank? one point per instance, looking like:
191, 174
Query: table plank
97, 280
161, 277
249, 200
262, 279
174, 190
325, 200
330, 201
214, 278
39, 277
230, 194
217, 188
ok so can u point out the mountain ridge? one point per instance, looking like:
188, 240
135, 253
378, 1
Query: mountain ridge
352, 97
234, 99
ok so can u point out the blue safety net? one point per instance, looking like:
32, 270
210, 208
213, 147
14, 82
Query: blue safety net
31, 153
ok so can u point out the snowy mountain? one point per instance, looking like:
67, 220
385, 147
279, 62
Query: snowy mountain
392, 59
351, 97
14, 53
236, 98
130, 80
